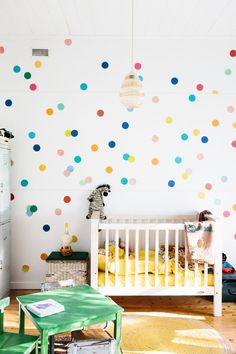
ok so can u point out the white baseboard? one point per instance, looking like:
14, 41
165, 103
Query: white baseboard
25, 284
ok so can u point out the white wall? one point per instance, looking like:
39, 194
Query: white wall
191, 60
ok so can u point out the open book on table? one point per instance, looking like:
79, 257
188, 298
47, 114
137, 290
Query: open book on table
45, 307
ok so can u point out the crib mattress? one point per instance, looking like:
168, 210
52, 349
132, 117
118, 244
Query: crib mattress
151, 280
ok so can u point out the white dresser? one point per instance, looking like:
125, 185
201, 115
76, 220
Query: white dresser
4, 217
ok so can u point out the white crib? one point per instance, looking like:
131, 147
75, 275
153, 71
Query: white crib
150, 233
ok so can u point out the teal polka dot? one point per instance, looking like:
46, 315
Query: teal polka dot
77, 159
178, 159
16, 69
192, 98
24, 182
126, 157
83, 86
60, 106
124, 180
184, 136
31, 135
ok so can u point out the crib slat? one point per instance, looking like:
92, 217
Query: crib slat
166, 256
156, 257
146, 235
126, 256
136, 256
106, 256
205, 275
185, 265
177, 257
196, 277
116, 257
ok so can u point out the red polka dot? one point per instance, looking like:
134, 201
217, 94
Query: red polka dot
208, 186
232, 53
67, 199
234, 143
226, 213
2, 50
137, 66
199, 87
100, 113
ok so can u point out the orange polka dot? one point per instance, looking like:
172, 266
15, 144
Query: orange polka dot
38, 64
234, 125
74, 238
155, 161
100, 113
43, 256
234, 207
94, 147
196, 132
215, 123
25, 268
109, 169
49, 111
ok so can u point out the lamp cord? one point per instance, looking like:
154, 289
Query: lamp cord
132, 34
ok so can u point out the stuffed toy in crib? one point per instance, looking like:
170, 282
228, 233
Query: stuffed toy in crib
226, 266
96, 200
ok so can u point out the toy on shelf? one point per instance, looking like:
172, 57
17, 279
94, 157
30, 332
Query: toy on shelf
66, 240
96, 200
226, 266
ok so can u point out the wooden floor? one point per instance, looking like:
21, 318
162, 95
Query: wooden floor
199, 308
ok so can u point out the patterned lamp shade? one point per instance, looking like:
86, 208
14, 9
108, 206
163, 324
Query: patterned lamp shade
131, 93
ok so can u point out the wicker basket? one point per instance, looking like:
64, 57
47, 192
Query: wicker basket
63, 270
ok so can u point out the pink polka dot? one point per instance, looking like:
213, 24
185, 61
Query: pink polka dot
226, 213
155, 99
155, 138
234, 143
132, 181
189, 171
137, 66
66, 173
199, 87
58, 211
230, 109
33, 87
88, 179
68, 41
200, 156
2, 50
60, 152
208, 186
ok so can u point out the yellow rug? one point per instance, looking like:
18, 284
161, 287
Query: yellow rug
151, 332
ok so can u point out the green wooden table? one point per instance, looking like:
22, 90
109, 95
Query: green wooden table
84, 307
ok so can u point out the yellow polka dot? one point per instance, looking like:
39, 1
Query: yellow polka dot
196, 132
234, 207
215, 123
109, 169
184, 175
25, 268
74, 238
234, 125
43, 256
42, 167
49, 111
215, 92
68, 132
131, 159
169, 120
38, 64
94, 147
155, 161
201, 195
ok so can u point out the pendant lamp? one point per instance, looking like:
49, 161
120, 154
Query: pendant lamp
132, 94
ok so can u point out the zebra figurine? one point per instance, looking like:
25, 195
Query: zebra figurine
96, 200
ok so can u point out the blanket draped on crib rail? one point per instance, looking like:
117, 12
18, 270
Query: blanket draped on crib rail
200, 241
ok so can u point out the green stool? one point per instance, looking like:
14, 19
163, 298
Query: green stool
15, 343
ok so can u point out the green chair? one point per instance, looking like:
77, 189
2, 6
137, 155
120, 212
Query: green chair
14, 343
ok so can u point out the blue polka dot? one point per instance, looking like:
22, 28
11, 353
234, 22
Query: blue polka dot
16, 69
46, 227
105, 65
126, 157
74, 132
174, 81
24, 182
192, 98
70, 168
77, 159
125, 125
178, 159
111, 144
31, 135
171, 183
130, 109
36, 147
140, 77
124, 180
204, 139
224, 179
184, 136
83, 86
8, 103
29, 213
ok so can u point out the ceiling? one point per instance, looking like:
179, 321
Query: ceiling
113, 18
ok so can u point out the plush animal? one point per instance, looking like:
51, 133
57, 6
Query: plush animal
6, 134
96, 200
226, 266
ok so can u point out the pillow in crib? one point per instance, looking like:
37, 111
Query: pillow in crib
111, 256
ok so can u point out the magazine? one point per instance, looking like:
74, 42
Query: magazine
45, 307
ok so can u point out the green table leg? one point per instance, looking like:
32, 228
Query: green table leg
44, 342
22, 321
117, 324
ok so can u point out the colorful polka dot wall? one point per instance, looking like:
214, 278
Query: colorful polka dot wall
72, 134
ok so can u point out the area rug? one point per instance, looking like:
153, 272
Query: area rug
151, 332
